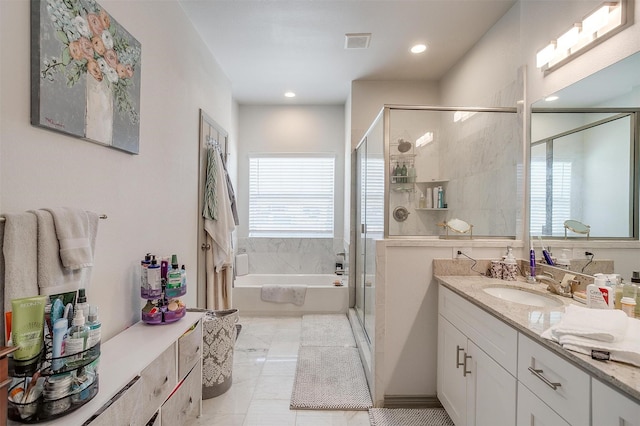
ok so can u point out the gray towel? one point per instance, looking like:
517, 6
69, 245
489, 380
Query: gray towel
53, 278
210, 209
19, 247
72, 230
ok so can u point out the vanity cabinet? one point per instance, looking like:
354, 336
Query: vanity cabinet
556, 382
471, 384
532, 411
610, 407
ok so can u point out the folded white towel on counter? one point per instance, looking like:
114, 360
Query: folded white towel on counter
284, 294
626, 350
606, 325
72, 230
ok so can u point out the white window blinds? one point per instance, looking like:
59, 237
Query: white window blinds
560, 192
291, 196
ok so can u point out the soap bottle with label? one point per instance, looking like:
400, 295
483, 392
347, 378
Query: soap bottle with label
94, 332
635, 279
76, 341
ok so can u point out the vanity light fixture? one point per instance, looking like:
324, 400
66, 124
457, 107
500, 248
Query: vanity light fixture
289, 95
419, 48
608, 19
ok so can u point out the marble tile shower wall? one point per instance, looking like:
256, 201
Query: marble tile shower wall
291, 255
483, 158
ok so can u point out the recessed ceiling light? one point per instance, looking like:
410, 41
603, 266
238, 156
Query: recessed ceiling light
551, 98
419, 48
290, 95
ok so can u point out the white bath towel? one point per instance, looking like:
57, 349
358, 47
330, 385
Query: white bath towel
606, 325
284, 294
20, 257
53, 278
220, 229
626, 350
72, 230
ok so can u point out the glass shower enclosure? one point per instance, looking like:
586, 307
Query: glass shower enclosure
418, 167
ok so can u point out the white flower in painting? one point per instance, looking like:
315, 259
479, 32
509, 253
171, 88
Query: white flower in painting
82, 26
103, 65
107, 39
112, 75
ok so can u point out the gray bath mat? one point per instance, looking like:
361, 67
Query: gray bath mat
330, 378
327, 330
409, 417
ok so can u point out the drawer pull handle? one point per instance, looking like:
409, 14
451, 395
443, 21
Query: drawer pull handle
458, 350
464, 369
538, 374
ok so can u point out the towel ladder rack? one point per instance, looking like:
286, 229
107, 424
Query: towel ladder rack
102, 216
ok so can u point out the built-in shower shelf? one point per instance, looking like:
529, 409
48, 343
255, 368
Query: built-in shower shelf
431, 209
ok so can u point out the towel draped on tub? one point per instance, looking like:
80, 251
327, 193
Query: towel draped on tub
284, 294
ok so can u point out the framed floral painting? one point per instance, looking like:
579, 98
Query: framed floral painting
85, 73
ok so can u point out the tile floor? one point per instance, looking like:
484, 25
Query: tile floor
264, 368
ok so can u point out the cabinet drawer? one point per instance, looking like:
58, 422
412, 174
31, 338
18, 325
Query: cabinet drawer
185, 404
532, 411
158, 379
571, 395
123, 405
610, 407
189, 350
493, 336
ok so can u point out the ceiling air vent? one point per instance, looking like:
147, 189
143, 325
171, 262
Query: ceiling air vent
357, 40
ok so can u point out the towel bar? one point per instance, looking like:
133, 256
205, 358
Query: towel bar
102, 216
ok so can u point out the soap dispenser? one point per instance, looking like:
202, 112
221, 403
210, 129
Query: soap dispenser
510, 268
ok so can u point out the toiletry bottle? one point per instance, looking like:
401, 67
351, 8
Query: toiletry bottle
635, 279
144, 283
174, 277
546, 254
153, 278
76, 341
81, 303
617, 304
440, 197
532, 261
94, 332
403, 172
629, 306
57, 348
183, 273
411, 173
422, 203
396, 174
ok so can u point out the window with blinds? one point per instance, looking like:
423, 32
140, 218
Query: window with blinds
291, 196
550, 197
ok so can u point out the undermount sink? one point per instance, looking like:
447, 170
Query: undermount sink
523, 297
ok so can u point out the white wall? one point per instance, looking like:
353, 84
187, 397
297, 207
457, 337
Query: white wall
151, 198
290, 129
369, 96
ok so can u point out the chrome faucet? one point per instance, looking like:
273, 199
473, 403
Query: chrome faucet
554, 286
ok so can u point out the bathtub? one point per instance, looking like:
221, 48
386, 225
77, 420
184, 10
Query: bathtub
322, 296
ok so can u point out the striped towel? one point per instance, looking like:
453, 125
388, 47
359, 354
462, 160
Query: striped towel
210, 209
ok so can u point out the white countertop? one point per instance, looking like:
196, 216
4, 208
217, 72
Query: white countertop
532, 321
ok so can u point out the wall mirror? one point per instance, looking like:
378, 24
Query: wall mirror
585, 156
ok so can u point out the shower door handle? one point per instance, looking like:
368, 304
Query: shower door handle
205, 247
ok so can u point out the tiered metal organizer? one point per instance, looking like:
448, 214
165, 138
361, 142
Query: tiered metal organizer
73, 383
